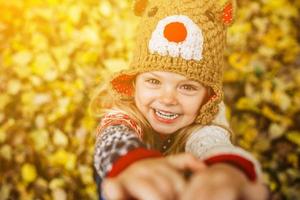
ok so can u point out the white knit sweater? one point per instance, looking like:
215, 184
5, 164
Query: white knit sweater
212, 140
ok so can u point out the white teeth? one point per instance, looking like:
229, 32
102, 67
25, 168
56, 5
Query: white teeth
166, 115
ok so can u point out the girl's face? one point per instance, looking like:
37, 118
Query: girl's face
168, 101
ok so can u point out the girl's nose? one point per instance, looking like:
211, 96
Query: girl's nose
168, 96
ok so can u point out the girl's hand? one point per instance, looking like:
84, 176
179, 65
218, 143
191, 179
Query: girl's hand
152, 179
222, 181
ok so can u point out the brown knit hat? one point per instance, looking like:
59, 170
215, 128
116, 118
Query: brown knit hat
187, 37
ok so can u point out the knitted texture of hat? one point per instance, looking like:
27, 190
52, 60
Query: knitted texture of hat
187, 37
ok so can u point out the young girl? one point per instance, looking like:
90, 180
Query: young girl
169, 102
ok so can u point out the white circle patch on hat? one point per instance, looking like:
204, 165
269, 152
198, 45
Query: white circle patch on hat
177, 36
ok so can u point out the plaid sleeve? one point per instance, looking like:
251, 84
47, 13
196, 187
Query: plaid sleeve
118, 117
114, 142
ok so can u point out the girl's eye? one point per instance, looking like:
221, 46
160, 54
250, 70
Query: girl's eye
153, 81
188, 87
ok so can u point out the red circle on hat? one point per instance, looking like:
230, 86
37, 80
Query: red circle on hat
175, 32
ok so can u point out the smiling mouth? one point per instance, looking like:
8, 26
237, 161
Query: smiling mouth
166, 115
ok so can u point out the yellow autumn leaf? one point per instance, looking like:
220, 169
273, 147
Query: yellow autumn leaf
266, 93
54, 2
239, 28
115, 65
88, 123
59, 138
275, 117
91, 189
26, 97
74, 13
41, 99
68, 31
39, 41
89, 35
59, 194
88, 56
5, 190
22, 58
238, 34
281, 99
4, 100
266, 51
79, 84
6, 152
271, 5
62, 56
250, 135
244, 144
7, 58
240, 61
17, 45
228, 113
297, 76
57, 183
262, 144
44, 66
86, 174
28, 172
288, 43
14, 86
282, 8
294, 160
63, 158
246, 103
261, 23
40, 139
269, 113
291, 55
294, 137
276, 130
271, 38
40, 121
231, 76
2, 135
105, 8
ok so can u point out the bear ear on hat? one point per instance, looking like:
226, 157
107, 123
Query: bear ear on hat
139, 6
227, 13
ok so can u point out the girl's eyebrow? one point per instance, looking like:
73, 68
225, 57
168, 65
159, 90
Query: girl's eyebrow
184, 80
153, 74
191, 81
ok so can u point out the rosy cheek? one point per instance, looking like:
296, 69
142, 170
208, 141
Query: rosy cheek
195, 106
149, 94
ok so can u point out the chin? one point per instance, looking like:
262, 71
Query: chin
164, 131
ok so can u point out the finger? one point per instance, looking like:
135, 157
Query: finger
185, 161
201, 187
211, 193
255, 191
193, 190
224, 193
175, 180
145, 189
112, 190
164, 184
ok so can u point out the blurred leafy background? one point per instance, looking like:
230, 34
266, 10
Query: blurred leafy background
54, 53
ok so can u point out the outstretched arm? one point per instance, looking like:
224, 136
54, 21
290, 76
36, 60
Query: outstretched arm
233, 173
129, 169
212, 144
